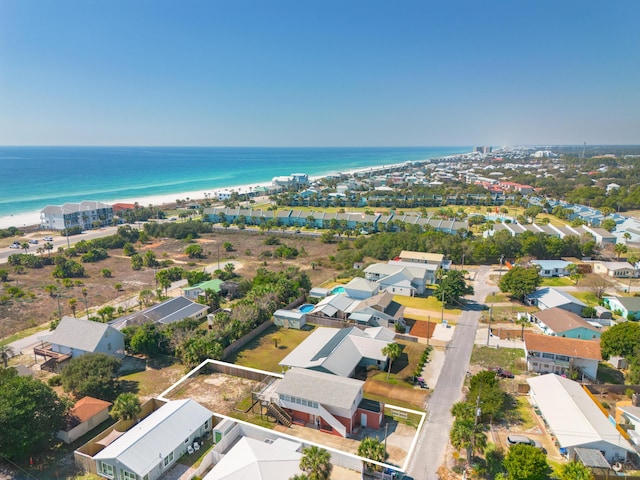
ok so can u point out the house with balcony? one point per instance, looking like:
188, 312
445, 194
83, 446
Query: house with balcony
84, 215
74, 337
549, 354
329, 402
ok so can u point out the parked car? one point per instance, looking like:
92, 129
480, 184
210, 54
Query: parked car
47, 239
523, 440
15, 245
501, 372
33, 241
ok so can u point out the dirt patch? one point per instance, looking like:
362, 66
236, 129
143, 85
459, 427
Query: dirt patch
218, 392
423, 329
414, 396
38, 307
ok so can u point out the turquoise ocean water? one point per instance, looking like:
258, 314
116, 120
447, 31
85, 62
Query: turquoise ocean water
33, 177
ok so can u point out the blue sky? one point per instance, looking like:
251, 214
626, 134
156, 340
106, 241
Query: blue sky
319, 73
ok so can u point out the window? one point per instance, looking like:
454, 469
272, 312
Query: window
206, 424
106, 469
186, 440
129, 476
168, 459
547, 355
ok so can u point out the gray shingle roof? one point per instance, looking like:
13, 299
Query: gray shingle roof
79, 334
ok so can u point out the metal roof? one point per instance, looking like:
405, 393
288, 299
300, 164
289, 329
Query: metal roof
572, 415
251, 458
144, 446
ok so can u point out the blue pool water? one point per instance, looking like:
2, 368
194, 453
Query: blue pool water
337, 290
306, 308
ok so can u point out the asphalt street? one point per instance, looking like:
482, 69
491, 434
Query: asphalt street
434, 437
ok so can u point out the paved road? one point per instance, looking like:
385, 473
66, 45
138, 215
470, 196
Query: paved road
434, 438
58, 241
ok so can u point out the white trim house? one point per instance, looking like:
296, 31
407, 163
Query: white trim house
151, 447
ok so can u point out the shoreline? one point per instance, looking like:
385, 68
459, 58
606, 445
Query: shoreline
31, 220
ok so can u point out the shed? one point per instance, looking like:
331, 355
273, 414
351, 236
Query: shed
289, 319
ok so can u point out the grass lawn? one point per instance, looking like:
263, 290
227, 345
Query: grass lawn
519, 413
24, 333
161, 373
556, 282
430, 303
403, 368
587, 297
608, 374
508, 358
261, 352
497, 298
391, 401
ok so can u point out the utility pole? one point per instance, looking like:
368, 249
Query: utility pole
478, 412
428, 328
493, 294
442, 311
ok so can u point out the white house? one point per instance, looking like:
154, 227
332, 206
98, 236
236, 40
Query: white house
340, 350
75, 337
249, 458
361, 288
548, 297
84, 215
575, 420
549, 354
151, 447
552, 268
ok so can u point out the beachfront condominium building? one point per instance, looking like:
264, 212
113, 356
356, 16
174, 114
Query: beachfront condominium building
86, 215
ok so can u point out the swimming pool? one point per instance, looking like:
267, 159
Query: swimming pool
336, 290
306, 308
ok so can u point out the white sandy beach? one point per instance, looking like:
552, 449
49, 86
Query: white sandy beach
22, 220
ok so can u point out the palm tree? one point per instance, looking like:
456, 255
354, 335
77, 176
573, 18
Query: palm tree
619, 249
392, 351
85, 293
125, 407
523, 322
373, 449
73, 304
316, 463
6, 352
25, 246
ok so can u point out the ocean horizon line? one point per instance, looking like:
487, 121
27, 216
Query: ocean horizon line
44, 176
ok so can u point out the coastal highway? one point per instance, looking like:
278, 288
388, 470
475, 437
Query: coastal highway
434, 437
58, 241
61, 240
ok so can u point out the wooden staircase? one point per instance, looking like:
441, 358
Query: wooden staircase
279, 414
